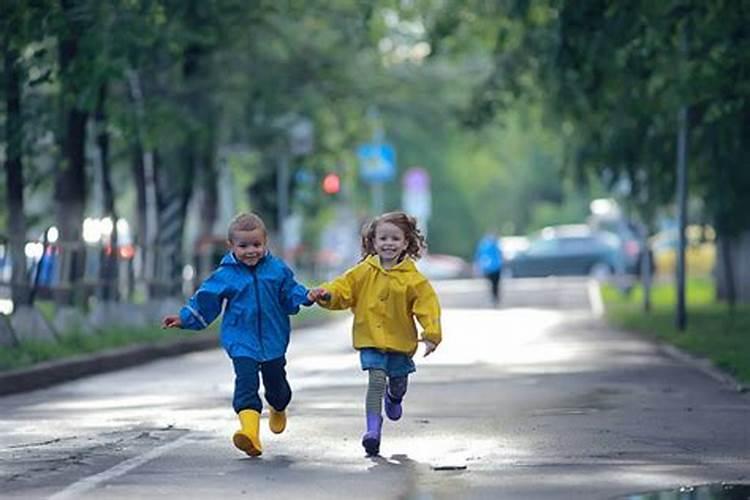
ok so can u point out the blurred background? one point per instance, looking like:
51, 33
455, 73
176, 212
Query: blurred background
586, 134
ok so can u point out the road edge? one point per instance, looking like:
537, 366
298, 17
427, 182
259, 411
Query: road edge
51, 373
705, 365
701, 363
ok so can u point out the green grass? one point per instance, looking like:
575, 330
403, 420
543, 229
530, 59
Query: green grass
713, 331
29, 353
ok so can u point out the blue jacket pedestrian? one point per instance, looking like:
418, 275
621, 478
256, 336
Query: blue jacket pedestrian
257, 293
488, 257
488, 260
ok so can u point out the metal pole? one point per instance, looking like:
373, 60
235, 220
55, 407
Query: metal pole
682, 138
645, 268
282, 189
377, 197
38, 267
681, 320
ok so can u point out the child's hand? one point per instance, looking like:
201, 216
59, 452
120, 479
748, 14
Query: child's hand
317, 294
171, 321
429, 347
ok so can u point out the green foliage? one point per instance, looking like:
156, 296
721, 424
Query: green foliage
572, 211
498, 100
613, 75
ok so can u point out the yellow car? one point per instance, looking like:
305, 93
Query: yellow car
700, 253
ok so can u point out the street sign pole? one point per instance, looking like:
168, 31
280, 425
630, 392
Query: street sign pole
299, 135
681, 319
682, 139
282, 188
376, 195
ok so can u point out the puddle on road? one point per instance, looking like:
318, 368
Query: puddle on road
447, 467
720, 491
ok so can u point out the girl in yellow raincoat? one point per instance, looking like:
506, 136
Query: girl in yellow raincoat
386, 292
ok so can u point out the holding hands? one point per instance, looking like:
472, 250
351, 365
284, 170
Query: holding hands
171, 321
317, 294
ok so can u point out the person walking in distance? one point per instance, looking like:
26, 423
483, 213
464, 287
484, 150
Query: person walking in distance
488, 261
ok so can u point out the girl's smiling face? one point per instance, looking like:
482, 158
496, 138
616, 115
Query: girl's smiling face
249, 246
390, 243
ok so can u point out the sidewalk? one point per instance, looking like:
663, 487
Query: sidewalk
55, 372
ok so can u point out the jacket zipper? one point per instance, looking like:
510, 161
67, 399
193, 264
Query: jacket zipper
254, 270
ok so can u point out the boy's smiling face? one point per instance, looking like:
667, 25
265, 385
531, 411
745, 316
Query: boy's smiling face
248, 246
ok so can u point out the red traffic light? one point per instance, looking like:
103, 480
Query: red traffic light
331, 183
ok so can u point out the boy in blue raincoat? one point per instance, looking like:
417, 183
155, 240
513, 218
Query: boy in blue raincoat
257, 292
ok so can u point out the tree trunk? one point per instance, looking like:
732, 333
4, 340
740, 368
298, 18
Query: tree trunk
139, 179
144, 174
210, 200
20, 290
726, 289
108, 270
645, 269
742, 268
175, 186
70, 196
70, 179
176, 180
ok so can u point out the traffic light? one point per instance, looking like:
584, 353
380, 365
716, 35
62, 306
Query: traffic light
331, 183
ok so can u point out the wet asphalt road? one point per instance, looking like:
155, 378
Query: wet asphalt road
535, 399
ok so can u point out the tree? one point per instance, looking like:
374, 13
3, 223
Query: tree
22, 25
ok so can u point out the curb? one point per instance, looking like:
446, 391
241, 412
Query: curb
704, 365
50, 373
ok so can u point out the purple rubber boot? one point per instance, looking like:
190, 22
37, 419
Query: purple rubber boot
371, 438
392, 409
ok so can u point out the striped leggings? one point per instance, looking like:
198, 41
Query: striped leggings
377, 385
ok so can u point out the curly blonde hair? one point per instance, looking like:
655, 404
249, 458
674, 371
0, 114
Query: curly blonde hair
415, 241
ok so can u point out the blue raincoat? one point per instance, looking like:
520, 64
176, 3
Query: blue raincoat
256, 301
488, 257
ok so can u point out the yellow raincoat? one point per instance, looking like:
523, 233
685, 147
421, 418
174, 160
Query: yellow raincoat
385, 303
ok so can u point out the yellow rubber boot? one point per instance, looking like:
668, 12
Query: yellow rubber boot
247, 438
277, 421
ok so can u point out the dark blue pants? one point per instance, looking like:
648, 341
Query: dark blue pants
246, 384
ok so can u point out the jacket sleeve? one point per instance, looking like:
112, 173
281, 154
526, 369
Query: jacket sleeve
426, 308
343, 290
292, 294
206, 303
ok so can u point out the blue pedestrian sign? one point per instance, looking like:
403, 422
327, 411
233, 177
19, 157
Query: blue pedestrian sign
377, 162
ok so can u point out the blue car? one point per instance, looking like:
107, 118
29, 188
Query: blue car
569, 250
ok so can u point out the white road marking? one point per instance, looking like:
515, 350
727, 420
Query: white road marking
595, 298
87, 484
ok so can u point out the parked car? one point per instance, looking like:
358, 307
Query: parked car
631, 245
700, 252
439, 266
569, 250
512, 246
